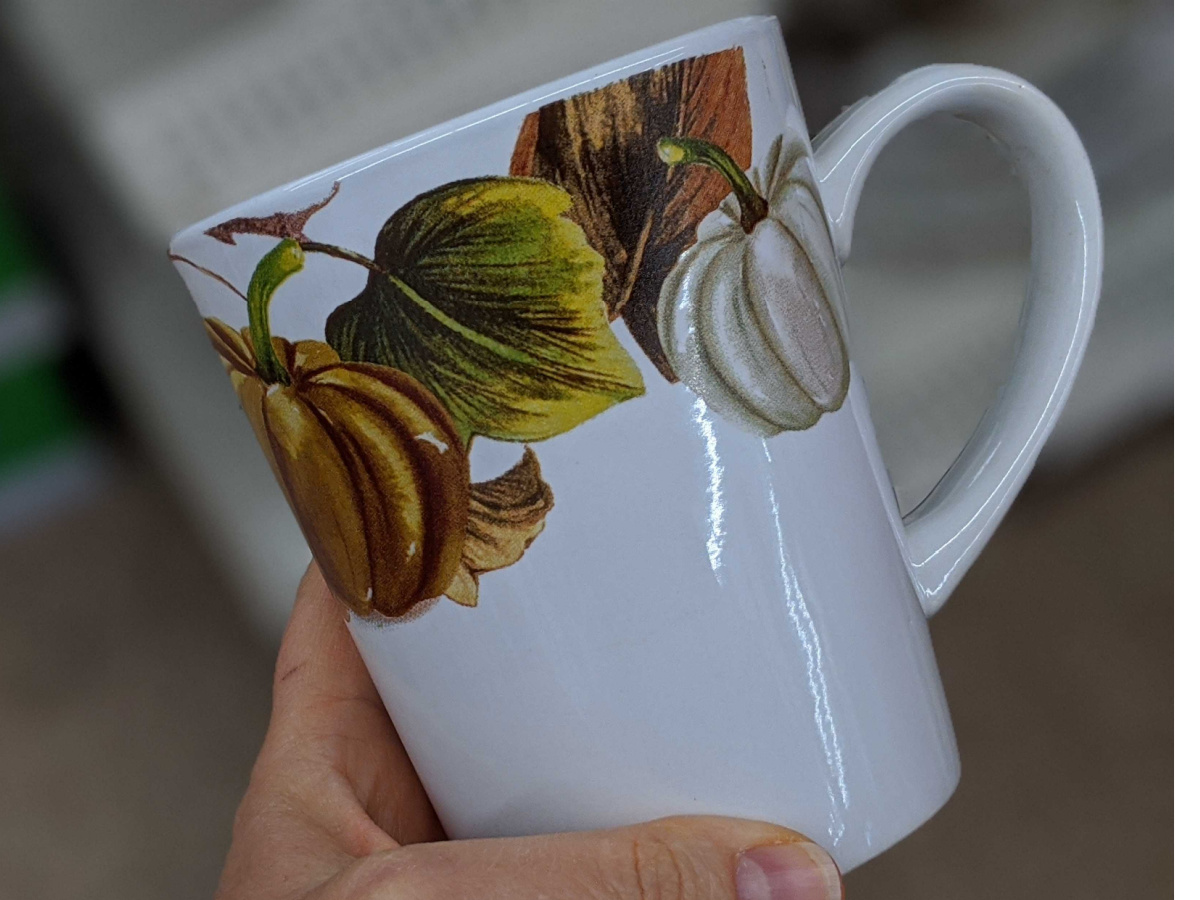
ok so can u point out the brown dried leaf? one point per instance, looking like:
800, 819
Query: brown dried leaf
278, 225
504, 517
640, 214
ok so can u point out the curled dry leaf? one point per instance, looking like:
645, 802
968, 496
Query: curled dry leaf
601, 147
279, 225
505, 514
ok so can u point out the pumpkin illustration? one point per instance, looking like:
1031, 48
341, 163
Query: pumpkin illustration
748, 316
368, 458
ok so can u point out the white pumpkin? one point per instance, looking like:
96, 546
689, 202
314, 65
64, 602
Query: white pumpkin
749, 315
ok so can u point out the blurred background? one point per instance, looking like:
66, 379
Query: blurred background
147, 560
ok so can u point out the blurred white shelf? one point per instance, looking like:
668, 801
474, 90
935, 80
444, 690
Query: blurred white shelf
939, 267
279, 89
933, 344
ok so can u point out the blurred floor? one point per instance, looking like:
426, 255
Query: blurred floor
132, 698
1056, 653
130, 721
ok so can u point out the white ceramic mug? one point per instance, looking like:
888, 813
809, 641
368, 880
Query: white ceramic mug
592, 384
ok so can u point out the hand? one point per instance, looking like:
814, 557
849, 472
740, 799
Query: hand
334, 811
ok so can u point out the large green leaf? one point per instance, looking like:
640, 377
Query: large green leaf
487, 294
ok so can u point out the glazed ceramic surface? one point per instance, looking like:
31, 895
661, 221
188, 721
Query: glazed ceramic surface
562, 396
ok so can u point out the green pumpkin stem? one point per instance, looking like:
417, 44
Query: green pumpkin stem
682, 151
280, 264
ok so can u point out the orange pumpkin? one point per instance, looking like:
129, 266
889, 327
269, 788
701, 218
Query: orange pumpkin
370, 462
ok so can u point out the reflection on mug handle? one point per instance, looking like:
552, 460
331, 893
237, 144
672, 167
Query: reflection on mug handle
948, 530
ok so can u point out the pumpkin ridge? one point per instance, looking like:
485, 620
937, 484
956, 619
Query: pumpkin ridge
431, 484
229, 346
443, 516
380, 527
360, 501
424, 400
713, 362
767, 330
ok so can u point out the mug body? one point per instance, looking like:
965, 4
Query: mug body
700, 615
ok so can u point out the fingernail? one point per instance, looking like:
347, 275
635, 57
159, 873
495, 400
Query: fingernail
799, 871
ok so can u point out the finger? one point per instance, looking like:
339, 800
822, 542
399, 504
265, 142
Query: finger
331, 737
692, 858
319, 675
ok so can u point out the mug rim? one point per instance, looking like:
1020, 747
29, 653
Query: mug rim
624, 66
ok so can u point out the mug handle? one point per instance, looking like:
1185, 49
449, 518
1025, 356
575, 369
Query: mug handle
947, 531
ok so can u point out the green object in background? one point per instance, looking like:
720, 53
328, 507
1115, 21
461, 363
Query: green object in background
16, 255
36, 413
47, 458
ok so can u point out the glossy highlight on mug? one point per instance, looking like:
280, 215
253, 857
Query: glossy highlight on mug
823, 717
716, 498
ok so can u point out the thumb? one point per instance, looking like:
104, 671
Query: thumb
687, 858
